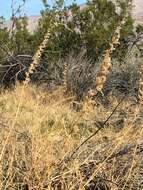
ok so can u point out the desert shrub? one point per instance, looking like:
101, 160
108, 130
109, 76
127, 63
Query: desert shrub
81, 74
90, 28
21, 38
124, 78
76, 29
14, 70
16, 51
4, 42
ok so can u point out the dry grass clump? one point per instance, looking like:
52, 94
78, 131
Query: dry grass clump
47, 130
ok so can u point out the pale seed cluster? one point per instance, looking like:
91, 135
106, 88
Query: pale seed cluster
65, 73
140, 92
106, 65
36, 57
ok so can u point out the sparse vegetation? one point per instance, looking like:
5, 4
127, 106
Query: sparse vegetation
71, 100
46, 130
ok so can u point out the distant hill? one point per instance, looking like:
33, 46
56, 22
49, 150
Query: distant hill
32, 23
33, 20
138, 10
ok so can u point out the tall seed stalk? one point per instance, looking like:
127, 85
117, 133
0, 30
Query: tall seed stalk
65, 79
140, 91
37, 56
106, 64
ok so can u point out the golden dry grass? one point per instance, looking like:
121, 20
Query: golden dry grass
39, 129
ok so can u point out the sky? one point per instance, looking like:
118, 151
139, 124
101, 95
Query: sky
32, 7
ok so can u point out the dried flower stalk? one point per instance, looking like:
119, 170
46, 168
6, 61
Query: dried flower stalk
37, 57
65, 80
140, 91
106, 65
